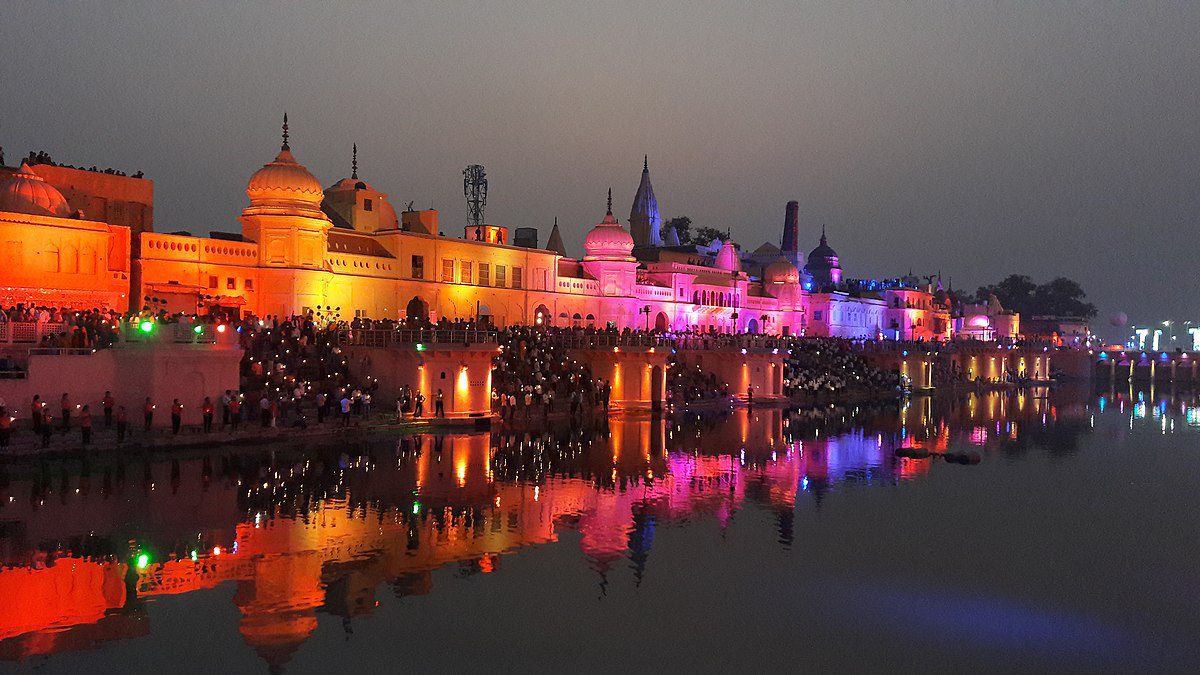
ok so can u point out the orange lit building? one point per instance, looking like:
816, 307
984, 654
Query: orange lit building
82, 238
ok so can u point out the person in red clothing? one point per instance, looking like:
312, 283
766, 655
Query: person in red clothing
176, 416
207, 409
148, 410
108, 402
235, 412
85, 424
35, 413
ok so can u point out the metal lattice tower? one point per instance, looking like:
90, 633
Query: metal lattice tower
475, 188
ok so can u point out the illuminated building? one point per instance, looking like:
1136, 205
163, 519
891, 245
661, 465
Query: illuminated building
344, 251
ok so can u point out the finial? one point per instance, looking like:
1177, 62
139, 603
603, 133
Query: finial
556, 221
354, 163
823, 234
609, 201
285, 132
645, 163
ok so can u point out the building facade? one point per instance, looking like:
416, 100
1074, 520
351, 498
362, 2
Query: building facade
343, 252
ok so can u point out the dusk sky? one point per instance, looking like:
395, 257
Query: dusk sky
979, 139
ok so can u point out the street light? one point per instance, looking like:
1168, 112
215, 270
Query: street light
646, 310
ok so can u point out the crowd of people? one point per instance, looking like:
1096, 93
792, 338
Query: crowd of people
295, 372
42, 157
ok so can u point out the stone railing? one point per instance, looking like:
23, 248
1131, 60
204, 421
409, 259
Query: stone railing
610, 340
382, 337
739, 341
12, 332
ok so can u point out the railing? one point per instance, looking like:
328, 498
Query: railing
62, 351
382, 337
610, 340
719, 341
28, 331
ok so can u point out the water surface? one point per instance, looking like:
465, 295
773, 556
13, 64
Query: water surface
1043, 531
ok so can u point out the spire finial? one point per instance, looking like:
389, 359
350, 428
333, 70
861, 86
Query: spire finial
556, 221
645, 163
823, 242
609, 202
354, 163
285, 132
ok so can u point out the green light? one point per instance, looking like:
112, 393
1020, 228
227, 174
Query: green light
146, 326
420, 346
416, 508
143, 560
197, 329
195, 556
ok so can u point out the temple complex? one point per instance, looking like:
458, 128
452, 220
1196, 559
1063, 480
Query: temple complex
78, 238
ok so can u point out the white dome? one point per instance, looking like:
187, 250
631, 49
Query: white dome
781, 272
27, 192
284, 182
609, 241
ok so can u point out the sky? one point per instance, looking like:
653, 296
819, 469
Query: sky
978, 139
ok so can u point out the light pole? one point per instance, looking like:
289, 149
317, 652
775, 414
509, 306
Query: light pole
646, 310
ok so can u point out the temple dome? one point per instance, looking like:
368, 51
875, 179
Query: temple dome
608, 240
727, 258
27, 192
781, 272
823, 254
284, 182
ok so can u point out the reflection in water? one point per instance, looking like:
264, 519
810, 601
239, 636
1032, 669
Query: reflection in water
326, 530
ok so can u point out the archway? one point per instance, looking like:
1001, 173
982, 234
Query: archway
661, 322
656, 388
752, 326
576, 320
417, 310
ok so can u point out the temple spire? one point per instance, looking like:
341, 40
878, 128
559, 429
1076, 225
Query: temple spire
823, 241
354, 163
555, 242
645, 163
285, 132
609, 202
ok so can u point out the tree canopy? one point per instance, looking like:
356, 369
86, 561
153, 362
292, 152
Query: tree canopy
704, 235
683, 227
1058, 297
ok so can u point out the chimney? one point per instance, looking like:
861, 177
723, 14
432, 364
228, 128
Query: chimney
791, 228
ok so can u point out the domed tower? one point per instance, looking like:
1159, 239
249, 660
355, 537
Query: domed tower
353, 204
823, 264
782, 279
727, 258
28, 193
284, 216
609, 257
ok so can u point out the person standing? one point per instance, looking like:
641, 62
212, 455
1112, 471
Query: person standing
65, 404
235, 412
264, 411
226, 399
345, 409
439, 407
108, 402
366, 405
47, 426
207, 410
322, 399
419, 410
85, 424
176, 416
35, 413
122, 424
6, 422
399, 410
148, 411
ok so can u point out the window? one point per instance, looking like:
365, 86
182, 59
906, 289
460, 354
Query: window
817, 315
231, 284
418, 267
516, 276
484, 272
249, 285
366, 205
212, 281
464, 272
448, 271
500, 276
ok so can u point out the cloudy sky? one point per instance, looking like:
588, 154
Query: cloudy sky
975, 138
